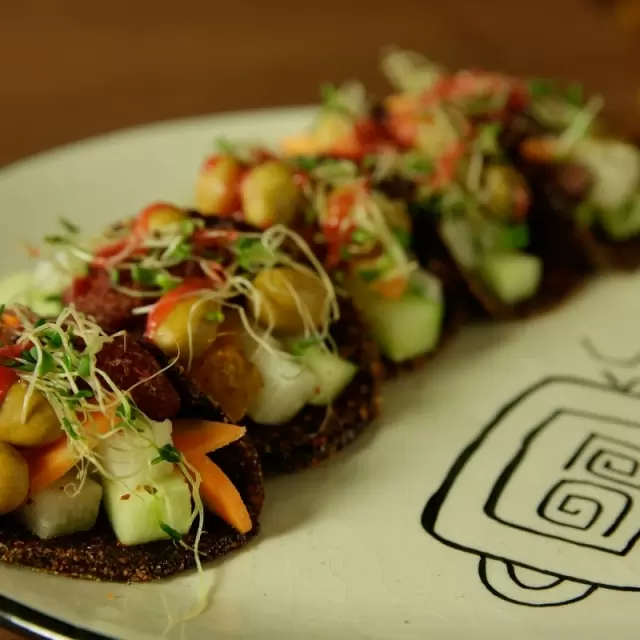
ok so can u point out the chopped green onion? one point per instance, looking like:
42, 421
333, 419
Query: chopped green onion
53, 297
167, 453
170, 531
66, 362
39, 322
84, 367
2, 308
142, 275
114, 275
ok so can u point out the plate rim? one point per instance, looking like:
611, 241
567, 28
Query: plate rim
36, 624
249, 113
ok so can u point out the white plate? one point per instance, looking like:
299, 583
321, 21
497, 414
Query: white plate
525, 446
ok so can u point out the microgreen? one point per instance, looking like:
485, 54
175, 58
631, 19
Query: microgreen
167, 453
299, 347
171, 532
84, 367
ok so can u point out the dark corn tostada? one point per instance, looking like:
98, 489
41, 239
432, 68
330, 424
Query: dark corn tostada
467, 195
250, 317
102, 476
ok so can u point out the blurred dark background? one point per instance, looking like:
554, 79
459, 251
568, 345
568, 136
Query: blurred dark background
75, 68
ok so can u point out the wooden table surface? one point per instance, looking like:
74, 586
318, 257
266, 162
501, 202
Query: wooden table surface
97, 67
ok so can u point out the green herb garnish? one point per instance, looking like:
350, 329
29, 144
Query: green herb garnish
171, 532
300, 346
515, 237
84, 367
542, 88
69, 227
214, 316
146, 277
403, 236
167, 453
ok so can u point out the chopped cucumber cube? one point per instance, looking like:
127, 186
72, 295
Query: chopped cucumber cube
19, 288
406, 327
622, 223
149, 512
332, 372
513, 277
129, 454
56, 511
287, 385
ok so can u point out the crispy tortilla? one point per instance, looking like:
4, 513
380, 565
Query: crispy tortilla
565, 265
97, 555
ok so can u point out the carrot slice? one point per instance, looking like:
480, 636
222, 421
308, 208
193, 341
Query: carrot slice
219, 494
542, 149
48, 464
392, 288
199, 437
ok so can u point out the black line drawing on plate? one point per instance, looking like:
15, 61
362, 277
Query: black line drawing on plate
560, 516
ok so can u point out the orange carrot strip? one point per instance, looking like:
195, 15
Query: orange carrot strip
541, 149
198, 437
48, 464
393, 288
219, 494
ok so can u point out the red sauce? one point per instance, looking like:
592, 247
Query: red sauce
337, 226
447, 166
167, 303
8, 377
231, 197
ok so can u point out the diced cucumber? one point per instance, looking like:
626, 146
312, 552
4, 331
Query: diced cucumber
19, 288
287, 385
332, 372
129, 454
149, 512
513, 277
615, 166
57, 512
407, 327
622, 223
